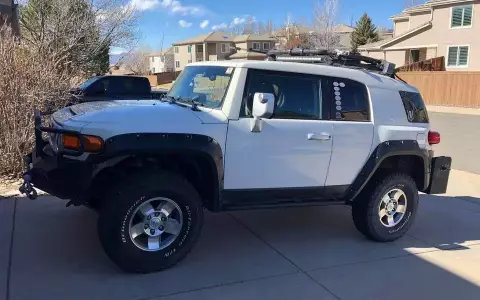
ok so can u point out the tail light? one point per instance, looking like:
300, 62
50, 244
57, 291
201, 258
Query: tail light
433, 137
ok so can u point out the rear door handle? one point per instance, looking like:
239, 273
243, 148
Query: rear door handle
319, 137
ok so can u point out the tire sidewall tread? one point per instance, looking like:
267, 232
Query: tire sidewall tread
123, 200
365, 209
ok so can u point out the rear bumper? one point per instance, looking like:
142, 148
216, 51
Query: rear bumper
439, 174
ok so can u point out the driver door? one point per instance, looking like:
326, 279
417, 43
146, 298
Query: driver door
290, 155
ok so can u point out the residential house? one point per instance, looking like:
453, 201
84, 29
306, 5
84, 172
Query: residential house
245, 42
9, 14
303, 33
162, 61
208, 47
449, 28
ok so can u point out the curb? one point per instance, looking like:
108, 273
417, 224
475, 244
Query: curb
454, 110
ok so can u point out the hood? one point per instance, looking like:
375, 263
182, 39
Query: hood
126, 111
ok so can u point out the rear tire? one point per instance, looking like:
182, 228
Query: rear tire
164, 197
379, 216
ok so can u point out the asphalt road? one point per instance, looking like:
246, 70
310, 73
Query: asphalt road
459, 139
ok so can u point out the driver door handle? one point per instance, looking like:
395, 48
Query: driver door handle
319, 137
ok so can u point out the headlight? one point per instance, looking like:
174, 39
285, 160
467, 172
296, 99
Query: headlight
91, 143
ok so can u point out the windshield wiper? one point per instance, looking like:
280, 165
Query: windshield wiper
193, 101
170, 99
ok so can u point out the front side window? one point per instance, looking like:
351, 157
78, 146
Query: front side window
176, 49
177, 64
256, 46
462, 16
189, 49
266, 46
206, 85
296, 96
458, 56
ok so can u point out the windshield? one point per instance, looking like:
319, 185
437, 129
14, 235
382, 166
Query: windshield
207, 85
88, 83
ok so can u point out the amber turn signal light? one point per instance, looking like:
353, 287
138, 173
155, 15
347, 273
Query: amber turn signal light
91, 143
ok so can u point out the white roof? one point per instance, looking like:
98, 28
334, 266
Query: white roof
368, 78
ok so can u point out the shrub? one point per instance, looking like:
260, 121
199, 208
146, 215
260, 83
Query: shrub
28, 80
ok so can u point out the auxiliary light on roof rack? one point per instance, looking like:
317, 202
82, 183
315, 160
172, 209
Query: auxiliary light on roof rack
332, 58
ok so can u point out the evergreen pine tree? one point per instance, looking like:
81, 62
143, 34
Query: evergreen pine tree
364, 33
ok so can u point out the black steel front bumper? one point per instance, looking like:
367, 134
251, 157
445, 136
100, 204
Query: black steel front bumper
52, 170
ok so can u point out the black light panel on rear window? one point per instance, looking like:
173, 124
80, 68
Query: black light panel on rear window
414, 107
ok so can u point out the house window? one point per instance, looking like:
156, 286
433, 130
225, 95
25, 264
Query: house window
462, 16
177, 64
266, 46
224, 48
176, 49
256, 46
189, 61
458, 56
153, 59
189, 49
162, 59
414, 56
153, 70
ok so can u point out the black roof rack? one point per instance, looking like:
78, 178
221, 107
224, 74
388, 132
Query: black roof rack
332, 58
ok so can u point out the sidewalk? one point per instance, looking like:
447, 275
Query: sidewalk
454, 110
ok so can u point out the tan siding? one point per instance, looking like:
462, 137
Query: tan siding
396, 57
442, 36
374, 54
401, 26
431, 53
212, 50
183, 56
419, 19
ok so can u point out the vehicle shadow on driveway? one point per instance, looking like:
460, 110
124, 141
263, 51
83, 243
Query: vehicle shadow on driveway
301, 253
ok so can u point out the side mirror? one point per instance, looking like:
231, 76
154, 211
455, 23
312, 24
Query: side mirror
263, 104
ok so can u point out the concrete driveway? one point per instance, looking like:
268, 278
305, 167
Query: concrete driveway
51, 252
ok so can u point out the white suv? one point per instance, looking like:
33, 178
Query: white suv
241, 135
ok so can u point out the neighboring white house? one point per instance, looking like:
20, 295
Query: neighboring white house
162, 61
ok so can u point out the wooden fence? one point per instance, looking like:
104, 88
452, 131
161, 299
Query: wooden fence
446, 88
162, 78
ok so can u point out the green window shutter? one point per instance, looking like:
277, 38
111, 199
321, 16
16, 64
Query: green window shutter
467, 15
189, 49
463, 56
452, 56
457, 14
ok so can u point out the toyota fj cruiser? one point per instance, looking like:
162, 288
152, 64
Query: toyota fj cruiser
302, 128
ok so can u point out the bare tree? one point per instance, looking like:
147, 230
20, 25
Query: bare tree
324, 23
32, 81
137, 61
168, 61
77, 34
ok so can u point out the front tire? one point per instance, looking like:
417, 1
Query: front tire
386, 211
151, 222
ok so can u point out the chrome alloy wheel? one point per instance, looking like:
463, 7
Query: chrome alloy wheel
392, 208
155, 224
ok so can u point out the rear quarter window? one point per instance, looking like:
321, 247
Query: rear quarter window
414, 107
